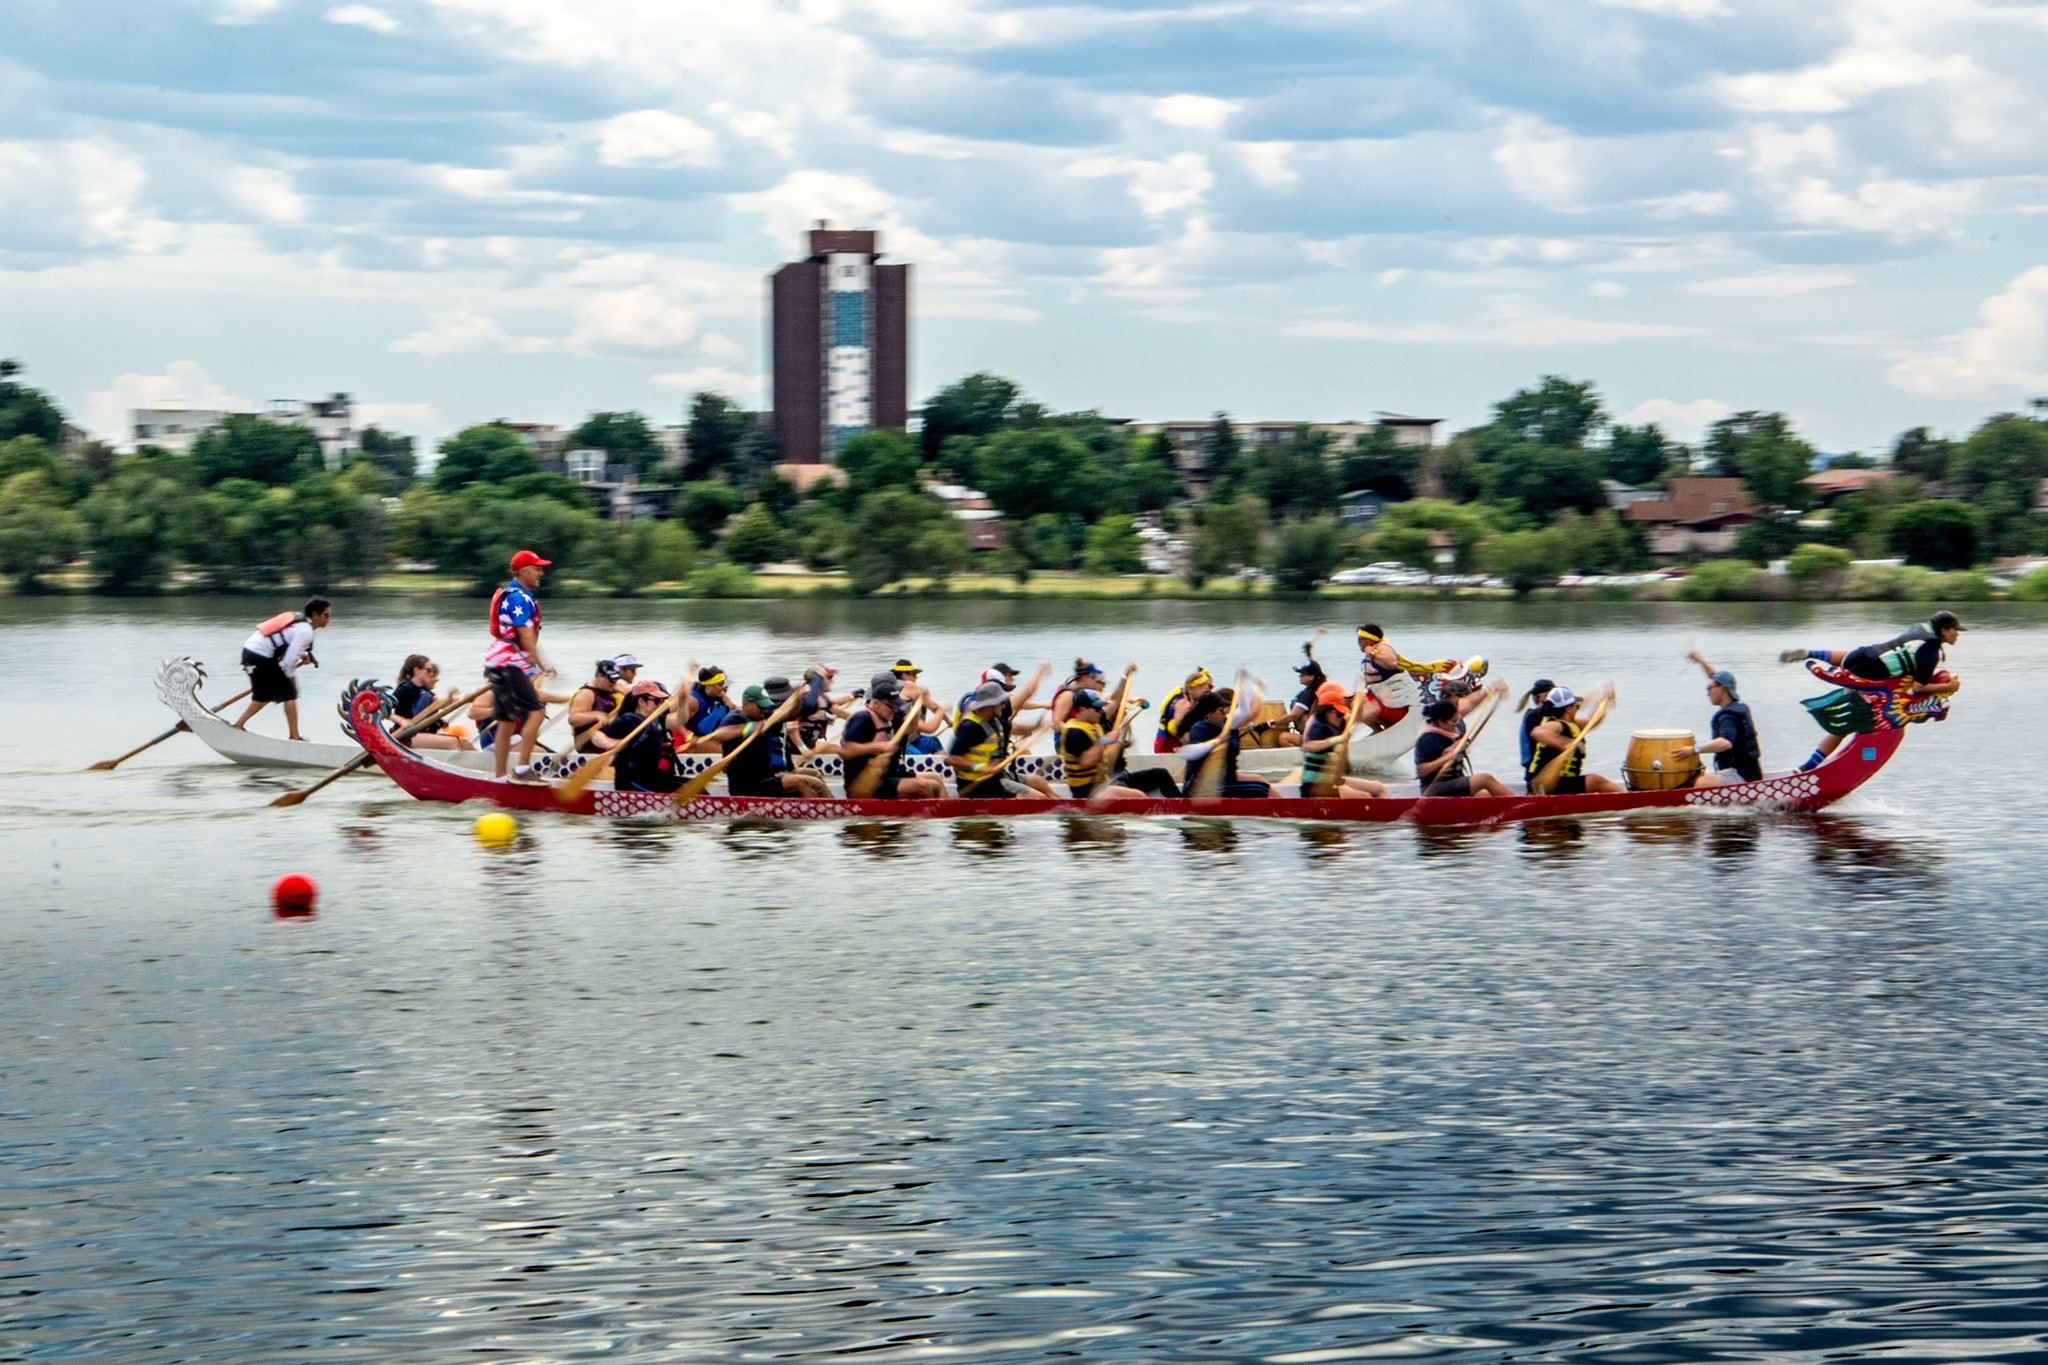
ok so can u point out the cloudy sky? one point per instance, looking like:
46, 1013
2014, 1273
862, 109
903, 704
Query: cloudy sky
1315, 209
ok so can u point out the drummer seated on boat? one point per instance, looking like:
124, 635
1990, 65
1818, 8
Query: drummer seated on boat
595, 703
414, 696
870, 733
1915, 654
1737, 755
1092, 762
1327, 721
647, 761
1558, 724
1205, 734
1437, 770
273, 656
761, 767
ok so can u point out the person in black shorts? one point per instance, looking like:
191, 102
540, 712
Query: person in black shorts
1915, 654
870, 734
1435, 769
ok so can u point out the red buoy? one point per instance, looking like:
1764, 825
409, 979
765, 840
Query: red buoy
293, 896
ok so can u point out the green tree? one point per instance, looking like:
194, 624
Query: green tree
1763, 451
875, 460
1293, 479
1638, 455
776, 493
391, 453
233, 533
1149, 479
38, 532
1026, 471
337, 528
627, 557
25, 411
1529, 559
714, 437
1467, 525
897, 534
69, 480
704, 507
1548, 479
820, 531
1940, 535
1922, 454
127, 529
1113, 547
1230, 539
490, 453
1049, 540
1557, 412
1222, 456
1380, 463
624, 437
1304, 553
975, 407
755, 538
244, 447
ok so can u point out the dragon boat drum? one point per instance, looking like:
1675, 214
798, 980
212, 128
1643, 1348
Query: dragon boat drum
1268, 739
1650, 765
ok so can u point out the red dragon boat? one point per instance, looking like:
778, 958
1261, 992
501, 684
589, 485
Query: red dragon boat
1859, 758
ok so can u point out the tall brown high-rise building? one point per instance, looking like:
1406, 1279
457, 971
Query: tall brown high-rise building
841, 325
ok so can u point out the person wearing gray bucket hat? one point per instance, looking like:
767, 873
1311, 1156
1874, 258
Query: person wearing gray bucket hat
1738, 757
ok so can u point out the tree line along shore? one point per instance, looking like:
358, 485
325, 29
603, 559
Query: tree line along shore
1522, 504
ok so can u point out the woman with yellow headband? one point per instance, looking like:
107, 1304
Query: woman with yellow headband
1381, 662
708, 706
1173, 712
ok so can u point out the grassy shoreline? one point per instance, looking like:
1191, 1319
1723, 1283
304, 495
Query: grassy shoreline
1052, 586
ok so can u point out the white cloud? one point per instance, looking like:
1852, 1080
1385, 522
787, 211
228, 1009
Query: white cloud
641, 318
655, 137
83, 194
243, 11
363, 16
449, 333
183, 384
1507, 321
1540, 162
1160, 187
737, 384
1782, 283
2006, 354
1204, 113
1686, 421
1608, 289
267, 193
1680, 9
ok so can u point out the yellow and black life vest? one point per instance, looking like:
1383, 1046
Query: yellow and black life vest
982, 756
1541, 754
1076, 775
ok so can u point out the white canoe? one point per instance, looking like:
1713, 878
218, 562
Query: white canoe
177, 683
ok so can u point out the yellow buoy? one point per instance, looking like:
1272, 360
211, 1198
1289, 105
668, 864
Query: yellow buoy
495, 830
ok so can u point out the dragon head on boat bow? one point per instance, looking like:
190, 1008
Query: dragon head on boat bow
363, 702
1859, 706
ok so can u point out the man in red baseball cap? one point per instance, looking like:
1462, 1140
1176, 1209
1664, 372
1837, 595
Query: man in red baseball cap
513, 661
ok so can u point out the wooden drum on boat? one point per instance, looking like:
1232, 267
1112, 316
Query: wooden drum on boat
1268, 739
1650, 766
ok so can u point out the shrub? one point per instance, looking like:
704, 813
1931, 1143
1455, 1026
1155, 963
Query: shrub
1885, 583
1529, 559
1305, 553
1817, 568
2032, 588
1964, 586
755, 538
1113, 547
1941, 535
1722, 580
721, 579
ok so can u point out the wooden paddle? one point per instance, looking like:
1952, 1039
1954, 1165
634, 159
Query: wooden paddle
863, 785
1553, 770
1209, 777
701, 783
1338, 764
572, 786
417, 724
1113, 748
1464, 741
106, 763
1009, 758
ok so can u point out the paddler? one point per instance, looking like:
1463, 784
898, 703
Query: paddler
980, 743
1312, 678
273, 655
1086, 676
870, 732
1205, 732
1176, 708
594, 704
1321, 732
414, 696
1086, 751
1915, 654
1738, 757
931, 720
647, 762
761, 768
1531, 707
512, 663
709, 704
1437, 772
1558, 723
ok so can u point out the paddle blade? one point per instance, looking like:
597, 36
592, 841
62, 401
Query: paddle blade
104, 764
290, 799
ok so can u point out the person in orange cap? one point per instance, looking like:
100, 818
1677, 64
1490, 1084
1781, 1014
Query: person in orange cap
1321, 734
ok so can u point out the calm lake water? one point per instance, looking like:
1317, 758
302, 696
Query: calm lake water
1708, 1086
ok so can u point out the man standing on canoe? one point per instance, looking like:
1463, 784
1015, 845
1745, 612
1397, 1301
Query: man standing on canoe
513, 661
272, 657
1914, 654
